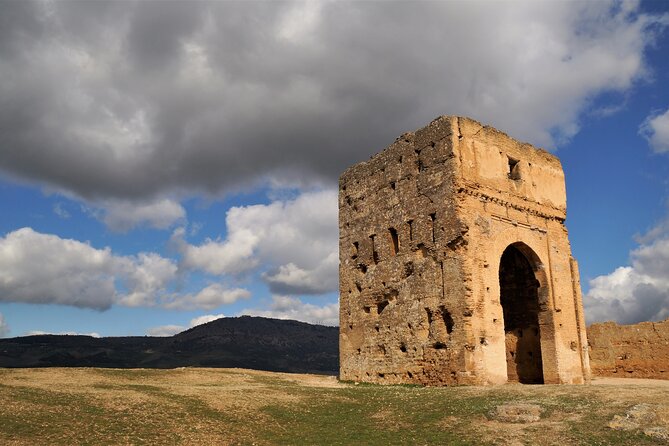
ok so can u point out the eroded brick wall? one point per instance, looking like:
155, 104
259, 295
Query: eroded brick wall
635, 351
398, 321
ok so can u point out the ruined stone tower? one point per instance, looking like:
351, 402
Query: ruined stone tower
455, 266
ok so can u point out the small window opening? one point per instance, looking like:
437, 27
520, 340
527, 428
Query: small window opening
448, 320
403, 348
433, 217
362, 267
429, 316
410, 225
355, 251
439, 345
395, 239
392, 185
381, 306
375, 255
514, 171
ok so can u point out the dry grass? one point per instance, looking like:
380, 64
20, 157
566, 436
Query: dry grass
233, 406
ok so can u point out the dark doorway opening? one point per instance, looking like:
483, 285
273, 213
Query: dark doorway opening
520, 304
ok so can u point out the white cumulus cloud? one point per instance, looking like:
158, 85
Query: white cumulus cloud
205, 319
43, 268
287, 307
295, 239
122, 216
290, 278
208, 298
62, 333
165, 330
46, 269
634, 293
147, 276
170, 330
656, 130
232, 256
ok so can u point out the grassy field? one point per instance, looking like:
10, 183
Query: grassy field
231, 406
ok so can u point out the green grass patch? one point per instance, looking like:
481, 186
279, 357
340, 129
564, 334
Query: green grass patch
375, 415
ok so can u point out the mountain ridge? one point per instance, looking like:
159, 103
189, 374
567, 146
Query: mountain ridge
246, 341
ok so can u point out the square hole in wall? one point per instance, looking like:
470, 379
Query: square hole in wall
514, 171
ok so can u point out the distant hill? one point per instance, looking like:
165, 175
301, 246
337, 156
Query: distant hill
247, 342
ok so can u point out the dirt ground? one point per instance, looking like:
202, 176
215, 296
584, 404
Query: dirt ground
235, 406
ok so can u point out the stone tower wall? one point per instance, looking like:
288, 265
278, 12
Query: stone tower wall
423, 226
398, 322
511, 193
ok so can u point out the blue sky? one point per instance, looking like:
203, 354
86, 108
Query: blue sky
166, 163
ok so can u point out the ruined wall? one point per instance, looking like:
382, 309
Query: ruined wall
423, 227
398, 322
635, 351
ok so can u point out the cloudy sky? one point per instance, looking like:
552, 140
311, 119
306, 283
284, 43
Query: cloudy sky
164, 163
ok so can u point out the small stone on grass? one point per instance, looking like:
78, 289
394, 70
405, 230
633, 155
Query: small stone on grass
516, 413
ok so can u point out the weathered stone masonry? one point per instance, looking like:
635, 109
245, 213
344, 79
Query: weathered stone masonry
636, 351
455, 267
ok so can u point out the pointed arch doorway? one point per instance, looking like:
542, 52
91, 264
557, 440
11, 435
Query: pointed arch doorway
519, 296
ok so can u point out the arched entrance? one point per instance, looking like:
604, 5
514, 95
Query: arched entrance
519, 296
